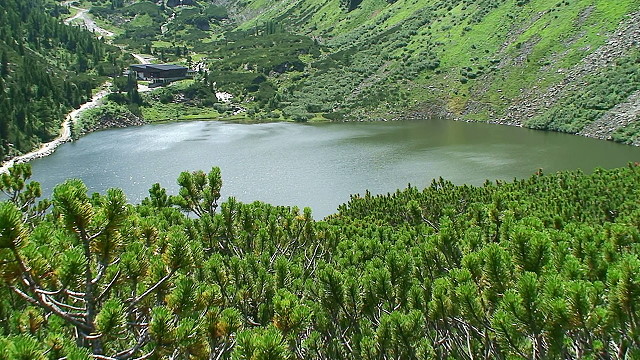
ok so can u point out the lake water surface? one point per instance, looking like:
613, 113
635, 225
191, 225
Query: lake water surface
319, 165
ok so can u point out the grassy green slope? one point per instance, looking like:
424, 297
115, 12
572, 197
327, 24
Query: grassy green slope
489, 52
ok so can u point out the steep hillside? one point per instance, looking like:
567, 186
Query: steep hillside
568, 66
476, 58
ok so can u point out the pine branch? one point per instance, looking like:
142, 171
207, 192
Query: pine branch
102, 357
50, 293
102, 267
106, 290
146, 356
40, 298
42, 302
142, 341
24, 296
149, 291
66, 306
78, 295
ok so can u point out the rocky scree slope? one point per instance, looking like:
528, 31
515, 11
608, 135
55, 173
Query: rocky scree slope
537, 101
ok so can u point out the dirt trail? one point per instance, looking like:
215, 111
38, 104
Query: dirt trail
72, 117
83, 15
65, 132
142, 59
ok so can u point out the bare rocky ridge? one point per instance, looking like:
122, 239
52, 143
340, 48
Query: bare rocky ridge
534, 101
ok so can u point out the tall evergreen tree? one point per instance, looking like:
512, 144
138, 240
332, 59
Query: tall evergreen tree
4, 64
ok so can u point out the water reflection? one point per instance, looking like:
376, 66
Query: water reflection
319, 165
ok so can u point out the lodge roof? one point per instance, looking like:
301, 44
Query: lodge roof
158, 67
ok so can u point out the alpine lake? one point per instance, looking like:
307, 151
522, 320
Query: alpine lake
319, 165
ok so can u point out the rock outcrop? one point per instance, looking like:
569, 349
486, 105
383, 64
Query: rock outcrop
107, 121
619, 117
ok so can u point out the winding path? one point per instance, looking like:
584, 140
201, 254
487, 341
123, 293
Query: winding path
142, 59
82, 14
72, 117
65, 132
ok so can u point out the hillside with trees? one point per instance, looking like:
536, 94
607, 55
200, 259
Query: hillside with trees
570, 66
541, 268
46, 69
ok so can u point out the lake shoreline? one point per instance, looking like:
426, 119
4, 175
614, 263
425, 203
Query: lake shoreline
434, 111
622, 116
65, 132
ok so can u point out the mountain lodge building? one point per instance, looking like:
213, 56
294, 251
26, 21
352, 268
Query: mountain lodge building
160, 74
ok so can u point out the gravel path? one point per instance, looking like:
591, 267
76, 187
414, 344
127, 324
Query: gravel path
72, 117
65, 132
83, 15
143, 59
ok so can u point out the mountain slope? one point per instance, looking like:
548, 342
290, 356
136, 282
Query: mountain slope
567, 66
480, 60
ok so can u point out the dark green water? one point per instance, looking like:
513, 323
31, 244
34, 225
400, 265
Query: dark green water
319, 165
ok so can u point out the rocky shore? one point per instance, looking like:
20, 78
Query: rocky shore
107, 122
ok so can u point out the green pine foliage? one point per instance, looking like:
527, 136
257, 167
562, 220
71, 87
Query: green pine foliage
540, 268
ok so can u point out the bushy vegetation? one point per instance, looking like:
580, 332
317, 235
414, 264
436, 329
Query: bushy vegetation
349, 59
476, 57
217, 12
185, 100
158, 29
543, 268
91, 119
629, 134
265, 53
